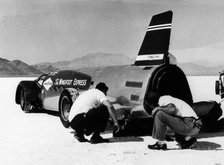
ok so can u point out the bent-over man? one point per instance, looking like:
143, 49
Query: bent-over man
90, 113
178, 116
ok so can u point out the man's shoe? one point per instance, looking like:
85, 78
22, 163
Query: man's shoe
80, 138
98, 139
189, 144
158, 146
180, 139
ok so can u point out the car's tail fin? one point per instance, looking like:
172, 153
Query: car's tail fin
155, 46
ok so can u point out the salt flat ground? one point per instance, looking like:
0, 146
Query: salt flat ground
40, 138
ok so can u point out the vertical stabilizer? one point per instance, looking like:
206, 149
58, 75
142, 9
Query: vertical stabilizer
155, 46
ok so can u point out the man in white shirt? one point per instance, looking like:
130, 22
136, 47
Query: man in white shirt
178, 116
90, 113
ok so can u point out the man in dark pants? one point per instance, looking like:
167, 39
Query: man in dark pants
90, 113
178, 116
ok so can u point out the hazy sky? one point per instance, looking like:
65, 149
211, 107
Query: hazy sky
53, 30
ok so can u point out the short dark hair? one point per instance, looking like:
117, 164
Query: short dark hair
102, 86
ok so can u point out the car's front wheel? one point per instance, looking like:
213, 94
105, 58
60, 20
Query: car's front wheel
65, 103
24, 104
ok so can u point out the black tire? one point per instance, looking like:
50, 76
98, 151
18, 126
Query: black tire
65, 103
24, 104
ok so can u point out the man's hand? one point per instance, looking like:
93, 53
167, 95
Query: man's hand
154, 111
116, 128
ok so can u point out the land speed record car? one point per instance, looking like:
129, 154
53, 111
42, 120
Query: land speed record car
55, 91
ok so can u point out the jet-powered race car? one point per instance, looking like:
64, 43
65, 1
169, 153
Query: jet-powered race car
134, 89
54, 91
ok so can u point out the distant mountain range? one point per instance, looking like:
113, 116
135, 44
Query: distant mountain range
19, 68
90, 60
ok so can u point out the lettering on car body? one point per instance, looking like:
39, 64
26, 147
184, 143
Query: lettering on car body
79, 82
65, 82
75, 82
62, 82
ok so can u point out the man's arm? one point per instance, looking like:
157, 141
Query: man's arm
169, 109
112, 111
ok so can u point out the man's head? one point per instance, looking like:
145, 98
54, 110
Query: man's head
102, 87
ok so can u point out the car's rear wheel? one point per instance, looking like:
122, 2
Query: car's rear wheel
65, 103
24, 104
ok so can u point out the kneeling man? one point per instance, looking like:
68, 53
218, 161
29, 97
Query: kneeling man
90, 113
178, 116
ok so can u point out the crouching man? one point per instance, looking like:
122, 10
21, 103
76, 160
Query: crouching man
90, 113
178, 116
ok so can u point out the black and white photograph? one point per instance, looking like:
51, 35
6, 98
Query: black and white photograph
122, 82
